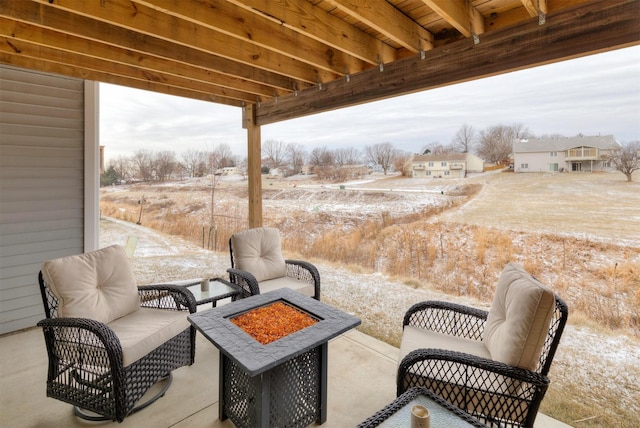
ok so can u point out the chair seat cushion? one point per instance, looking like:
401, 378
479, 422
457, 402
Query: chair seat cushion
301, 287
99, 285
258, 251
146, 329
418, 338
519, 318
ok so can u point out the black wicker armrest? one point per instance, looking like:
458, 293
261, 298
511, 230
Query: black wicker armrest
498, 392
304, 271
63, 336
447, 318
245, 280
167, 296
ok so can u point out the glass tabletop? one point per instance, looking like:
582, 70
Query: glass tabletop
217, 290
439, 415
442, 414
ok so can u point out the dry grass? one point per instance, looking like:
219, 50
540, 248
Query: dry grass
599, 281
456, 259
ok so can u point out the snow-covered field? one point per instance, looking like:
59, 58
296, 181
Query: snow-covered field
597, 207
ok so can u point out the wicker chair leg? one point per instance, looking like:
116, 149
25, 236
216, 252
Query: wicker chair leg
94, 417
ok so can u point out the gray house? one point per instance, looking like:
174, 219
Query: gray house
580, 153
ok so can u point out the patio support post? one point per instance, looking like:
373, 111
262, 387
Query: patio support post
254, 165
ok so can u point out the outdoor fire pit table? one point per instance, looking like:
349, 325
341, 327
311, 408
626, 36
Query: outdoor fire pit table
283, 383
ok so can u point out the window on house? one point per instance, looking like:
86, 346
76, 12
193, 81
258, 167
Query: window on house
430, 163
553, 167
428, 172
446, 173
443, 163
524, 166
553, 154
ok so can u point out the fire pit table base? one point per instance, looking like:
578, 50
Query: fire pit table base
281, 383
292, 394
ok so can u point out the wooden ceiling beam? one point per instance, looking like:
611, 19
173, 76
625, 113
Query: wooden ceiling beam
460, 14
86, 27
520, 14
535, 7
93, 64
592, 27
241, 24
20, 31
388, 20
72, 71
311, 21
151, 22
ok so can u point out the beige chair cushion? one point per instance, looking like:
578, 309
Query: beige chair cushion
301, 287
519, 317
258, 251
418, 338
99, 285
144, 330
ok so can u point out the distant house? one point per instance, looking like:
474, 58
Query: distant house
455, 165
230, 170
575, 154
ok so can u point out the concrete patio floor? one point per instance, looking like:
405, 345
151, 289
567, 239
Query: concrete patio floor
361, 381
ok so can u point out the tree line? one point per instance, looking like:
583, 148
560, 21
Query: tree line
151, 165
148, 165
493, 145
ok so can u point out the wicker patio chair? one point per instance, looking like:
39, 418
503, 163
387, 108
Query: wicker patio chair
257, 265
493, 364
109, 341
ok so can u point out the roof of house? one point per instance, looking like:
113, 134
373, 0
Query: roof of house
442, 157
565, 143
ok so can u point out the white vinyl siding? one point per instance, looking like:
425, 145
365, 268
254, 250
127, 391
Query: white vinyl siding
41, 185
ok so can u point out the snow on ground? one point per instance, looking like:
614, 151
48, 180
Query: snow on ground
603, 365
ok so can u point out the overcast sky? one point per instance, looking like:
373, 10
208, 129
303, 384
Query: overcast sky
594, 95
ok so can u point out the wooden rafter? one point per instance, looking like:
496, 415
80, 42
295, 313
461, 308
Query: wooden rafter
248, 28
383, 17
535, 7
296, 57
152, 22
26, 38
568, 34
460, 14
320, 25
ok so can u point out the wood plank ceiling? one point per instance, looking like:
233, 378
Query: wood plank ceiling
289, 58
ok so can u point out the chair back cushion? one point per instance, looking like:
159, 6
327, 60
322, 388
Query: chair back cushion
99, 285
258, 251
519, 318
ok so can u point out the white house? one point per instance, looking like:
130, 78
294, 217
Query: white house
454, 165
580, 153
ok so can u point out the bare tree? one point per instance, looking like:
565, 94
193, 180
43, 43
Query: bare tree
164, 164
122, 165
436, 148
321, 156
402, 162
274, 151
520, 132
224, 155
464, 139
381, 154
496, 142
143, 162
191, 158
296, 156
347, 156
627, 159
